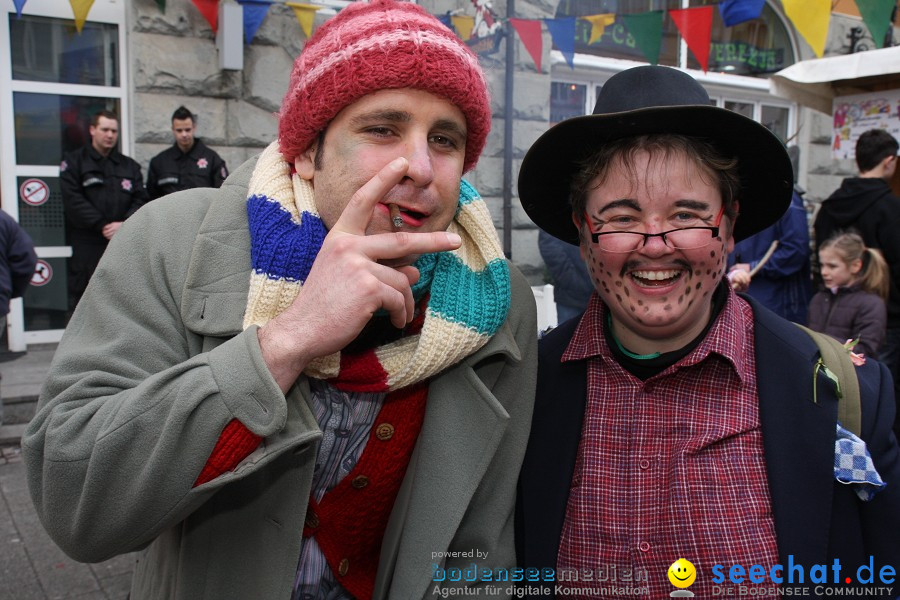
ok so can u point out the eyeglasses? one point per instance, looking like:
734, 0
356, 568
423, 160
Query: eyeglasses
685, 238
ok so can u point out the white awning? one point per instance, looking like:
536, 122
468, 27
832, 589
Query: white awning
816, 82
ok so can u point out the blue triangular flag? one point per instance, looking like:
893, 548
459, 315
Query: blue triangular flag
20, 4
735, 12
562, 32
254, 13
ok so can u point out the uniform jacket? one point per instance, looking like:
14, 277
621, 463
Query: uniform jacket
173, 170
866, 204
97, 191
783, 284
849, 314
17, 261
153, 366
816, 518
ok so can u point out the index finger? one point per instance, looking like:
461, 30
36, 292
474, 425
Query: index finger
358, 212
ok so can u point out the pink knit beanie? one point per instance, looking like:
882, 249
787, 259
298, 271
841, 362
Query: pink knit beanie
374, 46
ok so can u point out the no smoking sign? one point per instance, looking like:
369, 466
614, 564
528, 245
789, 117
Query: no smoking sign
34, 192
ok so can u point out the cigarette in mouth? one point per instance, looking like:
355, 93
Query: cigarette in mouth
396, 219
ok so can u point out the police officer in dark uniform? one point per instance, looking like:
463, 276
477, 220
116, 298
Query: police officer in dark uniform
101, 187
189, 163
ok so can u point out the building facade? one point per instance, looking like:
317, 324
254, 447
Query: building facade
143, 62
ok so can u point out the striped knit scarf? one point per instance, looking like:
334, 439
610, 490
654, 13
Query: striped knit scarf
466, 290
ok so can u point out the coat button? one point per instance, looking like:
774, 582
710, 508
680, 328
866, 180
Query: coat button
312, 520
343, 567
359, 482
384, 432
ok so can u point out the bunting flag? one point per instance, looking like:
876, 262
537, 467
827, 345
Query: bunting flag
646, 29
162, 5
463, 25
810, 18
305, 15
530, 32
876, 14
20, 4
254, 13
445, 19
735, 12
562, 32
81, 8
695, 25
210, 11
599, 23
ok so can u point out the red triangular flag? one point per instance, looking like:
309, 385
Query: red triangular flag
695, 25
210, 11
530, 32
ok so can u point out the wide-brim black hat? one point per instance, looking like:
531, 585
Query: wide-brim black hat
650, 100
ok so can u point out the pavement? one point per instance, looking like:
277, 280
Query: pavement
32, 567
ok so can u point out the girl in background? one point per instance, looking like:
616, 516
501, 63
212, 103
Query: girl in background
852, 305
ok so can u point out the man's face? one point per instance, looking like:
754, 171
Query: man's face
427, 130
656, 293
184, 133
104, 135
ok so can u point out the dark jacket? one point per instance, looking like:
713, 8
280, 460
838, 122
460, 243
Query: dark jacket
17, 263
849, 314
98, 190
572, 286
173, 170
783, 284
867, 206
816, 518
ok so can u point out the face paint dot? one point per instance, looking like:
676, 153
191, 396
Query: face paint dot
627, 292
619, 283
680, 299
698, 285
632, 308
708, 271
665, 298
667, 307
687, 291
640, 302
691, 302
712, 254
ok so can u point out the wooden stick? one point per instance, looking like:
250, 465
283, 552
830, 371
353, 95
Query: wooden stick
765, 258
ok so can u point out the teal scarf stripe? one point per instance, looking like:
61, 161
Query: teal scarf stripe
467, 193
487, 291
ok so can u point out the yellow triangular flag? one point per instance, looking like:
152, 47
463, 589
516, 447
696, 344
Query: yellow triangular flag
463, 25
598, 25
306, 14
810, 17
81, 8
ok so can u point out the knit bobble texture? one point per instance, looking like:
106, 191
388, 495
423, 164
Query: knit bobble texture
375, 46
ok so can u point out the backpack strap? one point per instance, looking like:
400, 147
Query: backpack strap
835, 358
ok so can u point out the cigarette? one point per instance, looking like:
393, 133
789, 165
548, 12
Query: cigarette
396, 219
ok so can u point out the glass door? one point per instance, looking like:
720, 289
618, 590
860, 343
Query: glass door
53, 80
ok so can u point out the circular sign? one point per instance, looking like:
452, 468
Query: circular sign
34, 192
43, 273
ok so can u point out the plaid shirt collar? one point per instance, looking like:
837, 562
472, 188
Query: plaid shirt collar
726, 338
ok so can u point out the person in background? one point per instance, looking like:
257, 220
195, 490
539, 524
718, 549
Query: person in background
851, 308
572, 286
783, 283
317, 380
187, 164
677, 418
101, 187
865, 204
17, 263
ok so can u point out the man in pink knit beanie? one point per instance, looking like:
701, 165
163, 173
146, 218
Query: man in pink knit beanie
317, 380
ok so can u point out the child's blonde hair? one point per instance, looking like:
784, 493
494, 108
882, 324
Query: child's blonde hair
874, 277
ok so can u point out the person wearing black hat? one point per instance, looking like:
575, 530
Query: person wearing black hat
677, 419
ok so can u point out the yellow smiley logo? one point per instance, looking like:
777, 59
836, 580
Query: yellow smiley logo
682, 573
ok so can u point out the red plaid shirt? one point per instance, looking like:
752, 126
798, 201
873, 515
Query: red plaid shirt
671, 467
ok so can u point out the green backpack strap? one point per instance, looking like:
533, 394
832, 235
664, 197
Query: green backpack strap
835, 358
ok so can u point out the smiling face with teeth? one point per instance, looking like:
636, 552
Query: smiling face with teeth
659, 297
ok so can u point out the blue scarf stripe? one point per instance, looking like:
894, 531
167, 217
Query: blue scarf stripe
454, 282
280, 248
467, 193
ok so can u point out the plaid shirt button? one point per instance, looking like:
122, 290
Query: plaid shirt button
644, 547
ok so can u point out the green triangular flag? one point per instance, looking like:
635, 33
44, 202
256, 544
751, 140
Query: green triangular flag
876, 15
162, 5
646, 29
